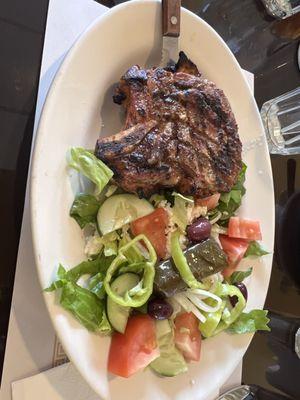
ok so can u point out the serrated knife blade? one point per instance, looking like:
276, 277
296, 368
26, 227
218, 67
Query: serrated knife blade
169, 50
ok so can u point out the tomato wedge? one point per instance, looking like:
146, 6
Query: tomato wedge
209, 202
135, 349
154, 227
243, 228
235, 250
187, 336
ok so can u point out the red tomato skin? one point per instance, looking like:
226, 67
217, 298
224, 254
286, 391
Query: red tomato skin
135, 349
210, 202
235, 250
243, 228
189, 343
154, 227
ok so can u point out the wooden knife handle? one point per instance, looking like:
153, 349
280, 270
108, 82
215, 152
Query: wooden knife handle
171, 17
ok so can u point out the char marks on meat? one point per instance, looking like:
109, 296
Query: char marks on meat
179, 133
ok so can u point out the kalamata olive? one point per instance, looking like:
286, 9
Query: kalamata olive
243, 290
199, 230
159, 309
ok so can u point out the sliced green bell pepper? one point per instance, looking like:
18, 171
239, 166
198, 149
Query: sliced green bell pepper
182, 265
138, 295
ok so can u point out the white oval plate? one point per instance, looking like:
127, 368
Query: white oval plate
78, 107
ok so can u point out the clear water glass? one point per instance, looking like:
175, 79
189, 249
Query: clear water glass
282, 8
281, 119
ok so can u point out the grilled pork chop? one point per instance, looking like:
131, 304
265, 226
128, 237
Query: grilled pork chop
179, 133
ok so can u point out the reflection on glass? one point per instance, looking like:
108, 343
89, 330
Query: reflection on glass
281, 119
282, 8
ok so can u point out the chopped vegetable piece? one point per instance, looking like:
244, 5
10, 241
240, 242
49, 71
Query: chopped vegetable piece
110, 242
119, 210
230, 202
89, 165
84, 305
255, 320
210, 202
242, 228
213, 319
243, 290
181, 210
118, 315
154, 227
89, 267
135, 349
229, 315
188, 306
187, 336
170, 362
255, 249
96, 286
204, 259
181, 263
239, 276
138, 295
84, 209
235, 250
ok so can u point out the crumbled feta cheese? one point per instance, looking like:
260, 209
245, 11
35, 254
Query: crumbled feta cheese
198, 211
93, 244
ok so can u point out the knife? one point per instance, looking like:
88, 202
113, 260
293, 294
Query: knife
170, 31
252, 392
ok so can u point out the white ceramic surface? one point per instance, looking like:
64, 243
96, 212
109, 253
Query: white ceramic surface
78, 108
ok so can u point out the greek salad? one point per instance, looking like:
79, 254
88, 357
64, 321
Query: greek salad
160, 274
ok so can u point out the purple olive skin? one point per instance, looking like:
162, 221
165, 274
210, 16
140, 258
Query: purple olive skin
199, 230
243, 289
159, 309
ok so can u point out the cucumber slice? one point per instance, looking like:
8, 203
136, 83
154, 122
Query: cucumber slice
118, 315
121, 209
170, 362
162, 328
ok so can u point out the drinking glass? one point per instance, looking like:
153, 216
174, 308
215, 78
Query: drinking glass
282, 8
281, 119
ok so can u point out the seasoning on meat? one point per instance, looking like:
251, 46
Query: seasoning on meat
179, 133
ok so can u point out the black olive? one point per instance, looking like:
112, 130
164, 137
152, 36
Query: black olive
159, 309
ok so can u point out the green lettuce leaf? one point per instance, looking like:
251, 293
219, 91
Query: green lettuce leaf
255, 320
239, 276
111, 190
89, 267
105, 326
96, 285
181, 210
84, 209
89, 165
110, 242
230, 202
255, 249
60, 282
84, 305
